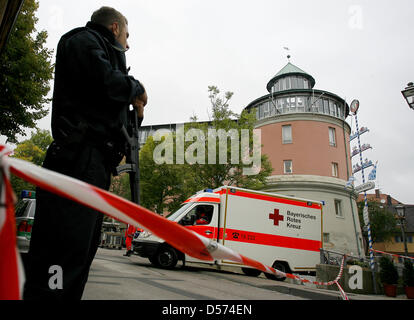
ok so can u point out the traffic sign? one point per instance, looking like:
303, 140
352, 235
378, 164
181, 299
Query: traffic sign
365, 186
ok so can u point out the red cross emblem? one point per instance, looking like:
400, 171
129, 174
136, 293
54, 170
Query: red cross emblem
276, 217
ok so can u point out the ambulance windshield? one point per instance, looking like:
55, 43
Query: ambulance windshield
172, 216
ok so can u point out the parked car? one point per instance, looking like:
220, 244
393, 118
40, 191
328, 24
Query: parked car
25, 212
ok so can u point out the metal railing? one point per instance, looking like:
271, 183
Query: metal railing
335, 258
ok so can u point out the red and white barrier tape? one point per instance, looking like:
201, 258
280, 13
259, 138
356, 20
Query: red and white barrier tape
12, 275
123, 210
392, 254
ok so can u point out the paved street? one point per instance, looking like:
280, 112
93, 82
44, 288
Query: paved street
115, 277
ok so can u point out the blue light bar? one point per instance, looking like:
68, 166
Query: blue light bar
28, 194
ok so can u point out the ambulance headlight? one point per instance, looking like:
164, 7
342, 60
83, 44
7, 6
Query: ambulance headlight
144, 234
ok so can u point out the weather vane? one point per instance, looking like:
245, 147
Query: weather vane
288, 56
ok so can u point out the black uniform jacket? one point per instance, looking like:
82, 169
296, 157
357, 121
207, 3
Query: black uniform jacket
92, 88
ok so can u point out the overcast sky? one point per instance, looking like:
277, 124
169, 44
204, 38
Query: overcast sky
356, 49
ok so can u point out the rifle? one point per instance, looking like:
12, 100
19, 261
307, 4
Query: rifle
132, 156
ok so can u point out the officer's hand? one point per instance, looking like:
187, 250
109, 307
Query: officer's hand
139, 106
143, 97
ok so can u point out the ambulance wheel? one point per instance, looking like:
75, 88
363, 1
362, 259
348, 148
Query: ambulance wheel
251, 272
279, 266
166, 257
153, 261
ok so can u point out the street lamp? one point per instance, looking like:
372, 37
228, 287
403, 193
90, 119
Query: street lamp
401, 216
408, 94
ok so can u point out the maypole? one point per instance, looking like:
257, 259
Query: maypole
360, 167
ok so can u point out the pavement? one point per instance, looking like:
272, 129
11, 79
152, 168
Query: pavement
296, 288
310, 291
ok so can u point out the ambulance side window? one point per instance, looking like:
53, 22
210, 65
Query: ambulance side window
204, 214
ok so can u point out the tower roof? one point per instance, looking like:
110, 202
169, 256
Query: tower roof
290, 70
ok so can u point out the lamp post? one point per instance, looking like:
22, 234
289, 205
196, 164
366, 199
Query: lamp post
401, 216
408, 94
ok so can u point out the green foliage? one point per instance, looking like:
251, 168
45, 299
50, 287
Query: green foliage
32, 150
213, 175
408, 273
362, 264
25, 72
164, 186
383, 223
120, 186
388, 272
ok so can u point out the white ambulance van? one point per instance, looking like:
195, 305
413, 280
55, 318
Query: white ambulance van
279, 231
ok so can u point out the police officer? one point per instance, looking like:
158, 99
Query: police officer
91, 99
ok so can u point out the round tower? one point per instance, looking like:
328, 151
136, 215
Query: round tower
306, 138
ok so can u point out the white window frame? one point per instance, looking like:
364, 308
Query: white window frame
332, 137
285, 138
266, 110
338, 208
284, 166
335, 170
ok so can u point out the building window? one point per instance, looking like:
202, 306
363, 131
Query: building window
266, 112
282, 84
325, 106
332, 108
294, 82
287, 82
332, 137
320, 105
292, 104
338, 208
277, 86
326, 237
301, 104
279, 106
287, 164
296, 104
272, 108
338, 111
287, 134
334, 169
285, 104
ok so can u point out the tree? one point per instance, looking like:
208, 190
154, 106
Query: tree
163, 186
166, 182
32, 150
120, 185
25, 72
383, 223
231, 136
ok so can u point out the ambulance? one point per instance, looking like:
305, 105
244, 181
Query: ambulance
277, 230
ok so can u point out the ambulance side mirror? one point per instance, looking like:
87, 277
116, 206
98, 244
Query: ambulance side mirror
188, 220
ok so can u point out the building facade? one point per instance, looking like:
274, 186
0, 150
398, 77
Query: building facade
306, 137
